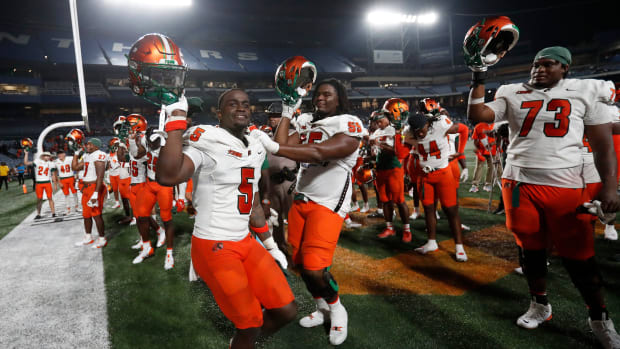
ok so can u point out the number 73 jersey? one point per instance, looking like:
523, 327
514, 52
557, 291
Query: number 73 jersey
547, 125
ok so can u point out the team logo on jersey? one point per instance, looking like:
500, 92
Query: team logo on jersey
234, 153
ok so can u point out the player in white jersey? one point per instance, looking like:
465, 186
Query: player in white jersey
150, 194
124, 185
94, 191
114, 167
42, 174
542, 180
326, 144
225, 165
66, 178
427, 135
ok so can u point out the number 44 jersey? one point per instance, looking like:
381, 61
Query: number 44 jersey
547, 125
226, 176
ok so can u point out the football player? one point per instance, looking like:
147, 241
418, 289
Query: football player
485, 151
225, 165
114, 167
427, 135
326, 143
93, 191
390, 173
42, 173
150, 194
66, 178
543, 182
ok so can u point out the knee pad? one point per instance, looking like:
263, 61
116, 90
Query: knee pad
584, 274
535, 263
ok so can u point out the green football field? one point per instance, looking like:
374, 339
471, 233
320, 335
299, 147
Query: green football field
395, 298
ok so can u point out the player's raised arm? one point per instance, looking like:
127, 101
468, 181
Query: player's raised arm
174, 167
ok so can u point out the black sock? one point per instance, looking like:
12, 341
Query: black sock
596, 313
540, 298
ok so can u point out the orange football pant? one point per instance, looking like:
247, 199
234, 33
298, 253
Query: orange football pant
313, 232
87, 190
68, 184
242, 276
43, 187
542, 214
135, 189
150, 193
124, 187
438, 184
391, 185
114, 182
456, 172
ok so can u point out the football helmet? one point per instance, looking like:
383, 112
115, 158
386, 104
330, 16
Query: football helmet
26, 144
113, 144
376, 115
364, 175
75, 139
156, 69
397, 110
488, 41
136, 123
294, 79
429, 106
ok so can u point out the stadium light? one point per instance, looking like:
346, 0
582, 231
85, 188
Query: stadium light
152, 3
389, 18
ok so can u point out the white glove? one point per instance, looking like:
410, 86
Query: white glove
162, 135
181, 104
464, 175
273, 250
289, 110
269, 144
273, 218
95, 197
594, 208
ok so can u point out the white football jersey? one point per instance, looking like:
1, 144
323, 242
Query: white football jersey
434, 149
137, 169
42, 170
452, 143
328, 183
385, 136
115, 165
64, 167
225, 181
546, 125
90, 174
123, 170
151, 162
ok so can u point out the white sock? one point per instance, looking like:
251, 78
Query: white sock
389, 225
366, 205
88, 237
146, 244
348, 220
169, 252
321, 304
406, 227
380, 211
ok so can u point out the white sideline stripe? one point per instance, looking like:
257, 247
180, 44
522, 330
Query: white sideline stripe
52, 294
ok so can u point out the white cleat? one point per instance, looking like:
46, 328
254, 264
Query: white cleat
461, 256
605, 333
414, 215
339, 321
437, 215
138, 245
169, 263
365, 209
78, 209
86, 240
133, 221
117, 205
487, 188
610, 232
519, 270
144, 254
465, 227
101, 243
429, 246
317, 318
351, 225
161, 237
535, 315
473, 189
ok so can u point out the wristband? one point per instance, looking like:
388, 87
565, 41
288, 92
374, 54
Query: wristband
175, 123
478, 78
475, 100
270, 244
260, 230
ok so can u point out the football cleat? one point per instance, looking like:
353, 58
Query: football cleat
316, 318
169, 263
610, 232
605, 332
339, 321
473, 189
365, 208
386, 233
133, 221
351, 225
407, 236
487, 188
465, 227
429, 246
138, 245
535, 315
86, 240
414, 215
144, 254
101, 243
